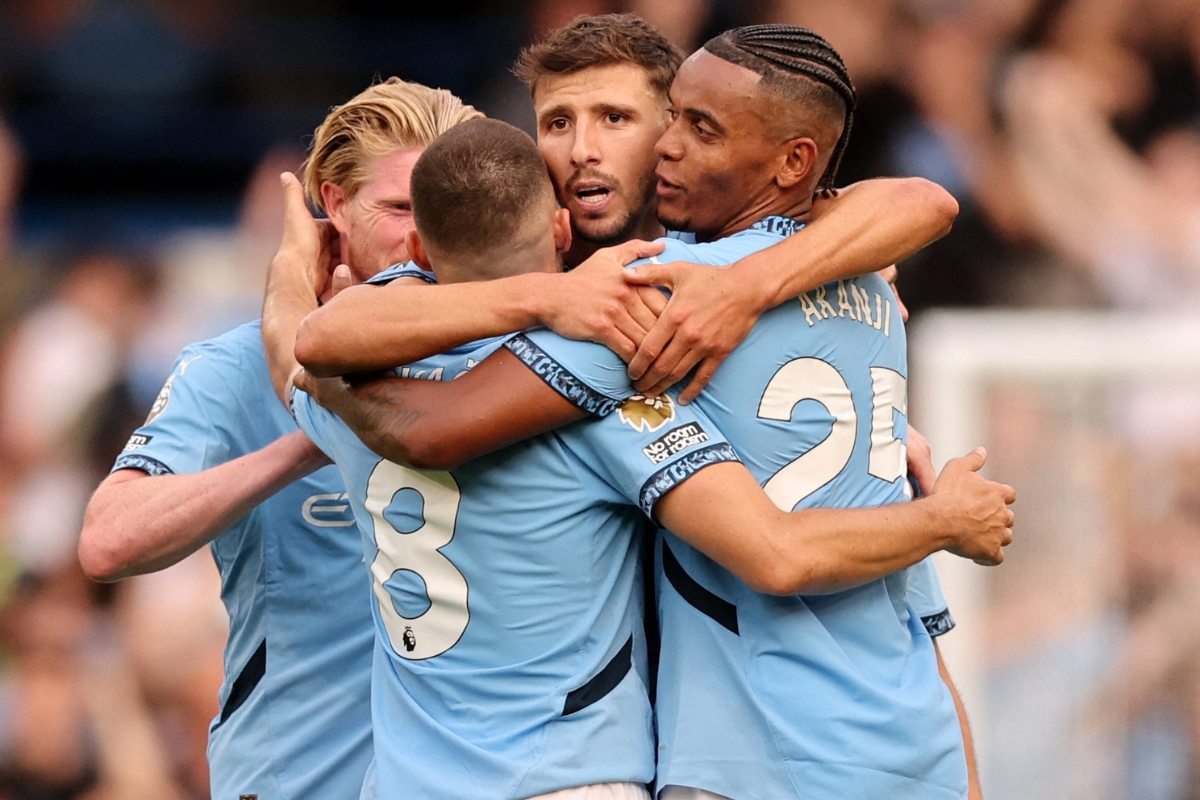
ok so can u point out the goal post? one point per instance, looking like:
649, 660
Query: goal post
1079, 411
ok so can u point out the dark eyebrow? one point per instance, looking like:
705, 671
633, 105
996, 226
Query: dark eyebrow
613, 108
551, 113
707, 117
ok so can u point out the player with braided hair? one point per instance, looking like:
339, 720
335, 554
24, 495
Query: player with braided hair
776, 51
760, 696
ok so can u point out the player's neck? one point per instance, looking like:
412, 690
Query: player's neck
795, 205
649, 228
501, 262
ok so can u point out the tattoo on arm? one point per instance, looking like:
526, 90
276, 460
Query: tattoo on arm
381, 412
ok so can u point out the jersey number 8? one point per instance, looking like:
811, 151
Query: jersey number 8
442, 624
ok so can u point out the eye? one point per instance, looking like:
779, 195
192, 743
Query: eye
557, 124
614, 118
403, 206
672, 114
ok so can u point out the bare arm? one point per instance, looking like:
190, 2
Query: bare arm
137, 523
371, 328
721, 510
299, 273
724, 513
442, 424
865, 228
973, 790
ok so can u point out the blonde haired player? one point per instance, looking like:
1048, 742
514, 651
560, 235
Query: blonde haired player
219, 462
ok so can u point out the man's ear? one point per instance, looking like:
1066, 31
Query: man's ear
416, 250
561, 226
334, 198
798, 162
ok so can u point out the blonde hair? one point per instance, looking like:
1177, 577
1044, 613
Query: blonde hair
389, 116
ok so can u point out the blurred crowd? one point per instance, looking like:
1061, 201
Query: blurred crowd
139, 206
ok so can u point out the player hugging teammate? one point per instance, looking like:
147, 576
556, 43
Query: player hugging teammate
503, 501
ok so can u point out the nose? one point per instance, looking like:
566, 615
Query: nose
670, 145
584, 148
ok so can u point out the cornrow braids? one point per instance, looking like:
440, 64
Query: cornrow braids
789, 49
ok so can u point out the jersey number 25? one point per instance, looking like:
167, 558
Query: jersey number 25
814, 379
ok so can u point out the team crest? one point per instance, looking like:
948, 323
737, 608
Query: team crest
160, 402
647, 413
164, 395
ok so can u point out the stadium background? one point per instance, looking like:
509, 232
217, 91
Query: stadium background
140, 142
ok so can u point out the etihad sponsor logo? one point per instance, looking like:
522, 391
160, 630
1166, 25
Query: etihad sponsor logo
645, 414
136, 441
675, 441
327, 510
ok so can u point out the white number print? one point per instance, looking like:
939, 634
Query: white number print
888, 460
814, 379
442, 624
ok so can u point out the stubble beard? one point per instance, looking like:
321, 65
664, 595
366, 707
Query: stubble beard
620, 230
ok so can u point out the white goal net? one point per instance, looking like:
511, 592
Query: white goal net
1079, 658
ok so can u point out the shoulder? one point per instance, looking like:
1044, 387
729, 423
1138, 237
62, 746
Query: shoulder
233, 345
232, 359
718, 253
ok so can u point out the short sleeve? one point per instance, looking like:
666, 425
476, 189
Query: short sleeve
194, 422
587, 374
926, 598
649, 447
314, 420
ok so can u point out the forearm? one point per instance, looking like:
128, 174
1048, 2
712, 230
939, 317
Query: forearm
439, 425
724, 513
380, 414
869, 226
371, 328
289, 298
825, 550
135, 525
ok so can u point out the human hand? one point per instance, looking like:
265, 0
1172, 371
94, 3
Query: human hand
594, 303
710, 312
325, 391
341, 278
977, 508
308, 244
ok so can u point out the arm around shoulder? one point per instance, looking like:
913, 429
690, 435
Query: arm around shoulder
443, 424
864, 228
724, 513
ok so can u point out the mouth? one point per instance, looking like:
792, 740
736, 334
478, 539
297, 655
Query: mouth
591, 195
665, 187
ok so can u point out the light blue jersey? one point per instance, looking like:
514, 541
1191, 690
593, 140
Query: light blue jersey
926, 598
762, 697
511, 657
295, 712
